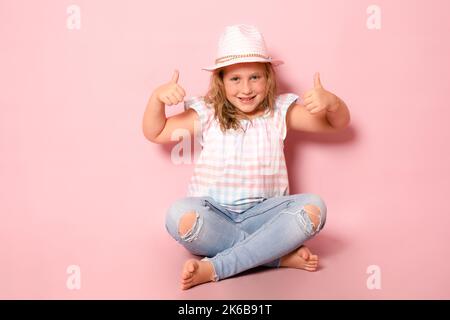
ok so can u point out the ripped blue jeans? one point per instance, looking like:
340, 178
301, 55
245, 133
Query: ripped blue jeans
235, 242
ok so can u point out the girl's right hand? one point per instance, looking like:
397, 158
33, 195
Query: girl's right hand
171, 93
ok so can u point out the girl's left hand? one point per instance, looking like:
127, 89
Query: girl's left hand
318, 99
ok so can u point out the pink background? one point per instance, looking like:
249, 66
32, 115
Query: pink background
80, 185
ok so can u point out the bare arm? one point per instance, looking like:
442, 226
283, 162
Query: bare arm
322, 111
338, 114
156, 127
299, 118
154, 118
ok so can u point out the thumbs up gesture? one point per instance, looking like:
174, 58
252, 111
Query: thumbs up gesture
171, 93
318, 99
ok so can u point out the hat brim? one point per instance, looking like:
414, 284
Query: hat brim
242, 60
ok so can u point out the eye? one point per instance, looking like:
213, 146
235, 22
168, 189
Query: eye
236, 78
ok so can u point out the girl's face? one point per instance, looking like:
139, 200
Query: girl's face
243, 81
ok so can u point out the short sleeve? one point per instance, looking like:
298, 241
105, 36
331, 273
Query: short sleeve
205, 112
282, 103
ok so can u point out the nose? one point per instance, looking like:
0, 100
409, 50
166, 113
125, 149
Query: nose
246, 87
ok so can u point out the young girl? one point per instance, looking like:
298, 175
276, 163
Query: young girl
238, 213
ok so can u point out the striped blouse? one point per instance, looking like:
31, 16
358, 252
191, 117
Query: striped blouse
240, 168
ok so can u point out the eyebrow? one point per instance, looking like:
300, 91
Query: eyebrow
252, 74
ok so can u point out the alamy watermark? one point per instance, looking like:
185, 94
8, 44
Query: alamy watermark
74, 279
73, 21
374, 19
374, 280
182, 151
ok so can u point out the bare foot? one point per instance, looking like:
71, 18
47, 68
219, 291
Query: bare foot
302, 258
196, 272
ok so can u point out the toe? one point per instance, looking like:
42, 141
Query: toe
310, 268
184, 287
304, 255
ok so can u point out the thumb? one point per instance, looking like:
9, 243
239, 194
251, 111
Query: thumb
317, 83
175, 76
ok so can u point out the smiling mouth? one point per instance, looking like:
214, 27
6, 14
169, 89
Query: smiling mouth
247, 99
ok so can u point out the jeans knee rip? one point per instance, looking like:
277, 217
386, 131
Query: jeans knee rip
192, 234
305, 221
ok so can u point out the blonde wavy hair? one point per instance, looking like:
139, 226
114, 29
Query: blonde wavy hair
224, 111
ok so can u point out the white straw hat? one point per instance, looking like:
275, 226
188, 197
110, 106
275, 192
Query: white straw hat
241, 43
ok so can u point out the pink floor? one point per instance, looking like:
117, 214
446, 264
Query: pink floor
140, 261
